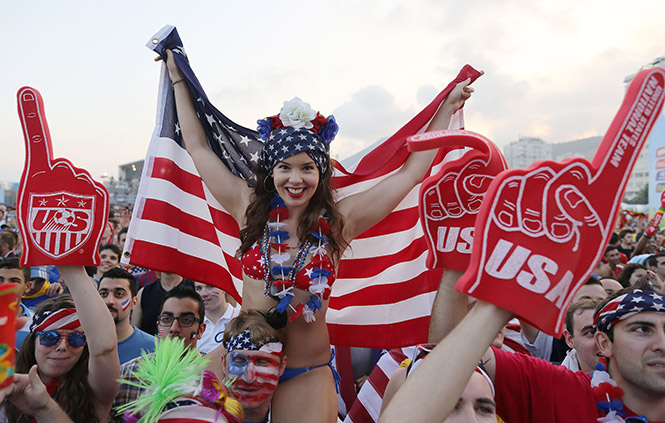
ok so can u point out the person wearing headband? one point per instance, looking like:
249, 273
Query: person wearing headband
254, 358
628, 384
293, 232
75, 350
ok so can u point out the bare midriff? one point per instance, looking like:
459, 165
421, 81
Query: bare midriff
307, 344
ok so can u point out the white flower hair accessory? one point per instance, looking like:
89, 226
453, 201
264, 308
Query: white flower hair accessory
297, 114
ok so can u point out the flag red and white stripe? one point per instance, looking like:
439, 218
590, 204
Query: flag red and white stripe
65, 318
367, 406
383, 294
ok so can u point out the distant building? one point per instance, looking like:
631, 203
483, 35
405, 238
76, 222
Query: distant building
653, 163
584, 148
8, 192
640, 176
521, 153
123, 190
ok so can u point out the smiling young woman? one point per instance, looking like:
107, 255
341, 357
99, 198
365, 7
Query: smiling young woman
75, 350
293, 232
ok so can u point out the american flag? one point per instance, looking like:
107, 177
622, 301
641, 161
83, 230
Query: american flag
383, 294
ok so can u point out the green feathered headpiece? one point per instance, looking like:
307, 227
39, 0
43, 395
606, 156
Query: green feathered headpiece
172, 371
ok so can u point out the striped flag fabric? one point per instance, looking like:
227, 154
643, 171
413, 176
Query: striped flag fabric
367, 406
383, 294
368, 402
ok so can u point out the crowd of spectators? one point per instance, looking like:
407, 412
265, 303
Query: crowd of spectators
71, 372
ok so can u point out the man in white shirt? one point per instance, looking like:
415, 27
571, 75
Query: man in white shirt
579, 335
218, 313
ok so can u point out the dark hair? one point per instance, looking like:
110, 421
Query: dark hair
579, 306
255, 322
111, 247
593, 281
14, 263
257, 214
122, 231
74, 394
653, 260
181, 291
120, 273
627, 272
625, 232
614, 238
610, 248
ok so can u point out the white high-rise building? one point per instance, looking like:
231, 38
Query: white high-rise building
521, 153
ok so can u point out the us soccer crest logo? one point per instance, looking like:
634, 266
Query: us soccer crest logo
60, 223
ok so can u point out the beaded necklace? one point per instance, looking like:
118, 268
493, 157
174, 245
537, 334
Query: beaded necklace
608, 396
279, 280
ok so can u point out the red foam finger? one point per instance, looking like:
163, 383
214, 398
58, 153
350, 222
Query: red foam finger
516, 268
623, 141
535, 271
39, 151
476, 184
447, 196
505, 210
61, 209
448, 138
447, 208
529, 206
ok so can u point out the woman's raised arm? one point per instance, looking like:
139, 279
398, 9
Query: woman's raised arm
232, 192
363, 210
97, 323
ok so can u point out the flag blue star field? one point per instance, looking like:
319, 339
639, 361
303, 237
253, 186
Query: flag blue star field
384, 292
237, 146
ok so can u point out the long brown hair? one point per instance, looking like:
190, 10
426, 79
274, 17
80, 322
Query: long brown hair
257, 213
74, 394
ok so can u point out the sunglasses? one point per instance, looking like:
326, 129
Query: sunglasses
49, 338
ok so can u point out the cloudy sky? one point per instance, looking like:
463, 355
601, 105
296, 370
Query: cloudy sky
554, 70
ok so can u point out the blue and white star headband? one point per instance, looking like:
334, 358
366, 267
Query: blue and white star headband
297, 129
627, 305
286, 142
243, 341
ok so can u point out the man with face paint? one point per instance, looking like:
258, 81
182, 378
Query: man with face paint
118, 289
255, 358
181, 316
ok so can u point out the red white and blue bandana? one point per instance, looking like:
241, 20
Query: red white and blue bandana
243, 341
624, 306
297, 129
65, 318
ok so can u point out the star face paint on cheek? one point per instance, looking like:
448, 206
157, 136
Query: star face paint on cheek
237, 364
